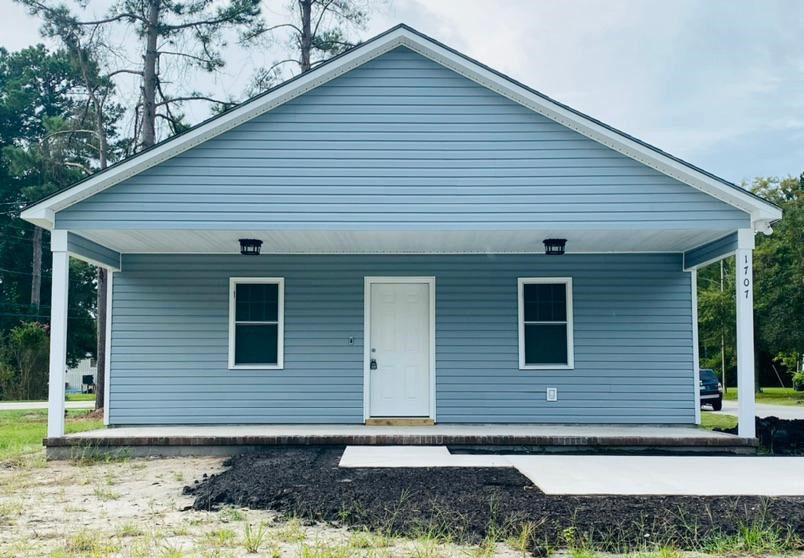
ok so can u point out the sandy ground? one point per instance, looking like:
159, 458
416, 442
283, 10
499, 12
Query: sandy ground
135, 508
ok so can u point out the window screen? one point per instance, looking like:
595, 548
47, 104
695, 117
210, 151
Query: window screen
256, 323
545, 324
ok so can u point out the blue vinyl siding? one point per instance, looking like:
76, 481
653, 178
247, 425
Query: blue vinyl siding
401, 143
722, 247
633, 340
81, 246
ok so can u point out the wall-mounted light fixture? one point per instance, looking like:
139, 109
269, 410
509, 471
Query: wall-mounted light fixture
250, 246
554, 246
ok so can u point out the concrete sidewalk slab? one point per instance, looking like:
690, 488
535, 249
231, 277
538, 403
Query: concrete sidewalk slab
610, 474
38, 405
415, 456
664, 475
764, 410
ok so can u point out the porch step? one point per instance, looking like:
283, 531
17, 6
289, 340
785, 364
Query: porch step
463, 438
400, 421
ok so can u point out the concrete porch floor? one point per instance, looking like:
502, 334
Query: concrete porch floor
547, 438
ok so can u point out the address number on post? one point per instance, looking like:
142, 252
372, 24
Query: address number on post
747, 276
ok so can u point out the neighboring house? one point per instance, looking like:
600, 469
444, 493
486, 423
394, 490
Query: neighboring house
403, 193
74, 379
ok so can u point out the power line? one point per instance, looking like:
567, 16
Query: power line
4, 270
43, 316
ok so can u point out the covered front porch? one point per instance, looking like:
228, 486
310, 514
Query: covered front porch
635, 346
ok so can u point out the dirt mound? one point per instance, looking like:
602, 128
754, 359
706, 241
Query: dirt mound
469, 503
778, 436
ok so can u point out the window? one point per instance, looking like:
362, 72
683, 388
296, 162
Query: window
545, 323
256, 322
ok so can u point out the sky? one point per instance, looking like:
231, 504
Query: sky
719, 83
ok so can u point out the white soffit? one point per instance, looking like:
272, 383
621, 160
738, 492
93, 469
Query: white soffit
398, 242
762, 213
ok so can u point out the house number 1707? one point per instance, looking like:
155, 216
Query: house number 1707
747, 276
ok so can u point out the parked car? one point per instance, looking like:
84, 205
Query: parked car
711, 389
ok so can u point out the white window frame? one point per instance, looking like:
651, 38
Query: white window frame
567, 282
280, 345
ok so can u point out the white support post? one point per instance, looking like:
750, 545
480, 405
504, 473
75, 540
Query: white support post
696, 367
746, 404
108, 352
58, 333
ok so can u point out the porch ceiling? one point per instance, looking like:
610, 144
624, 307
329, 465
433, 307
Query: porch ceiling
355, 242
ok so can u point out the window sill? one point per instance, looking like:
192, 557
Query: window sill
256, 367
548, 367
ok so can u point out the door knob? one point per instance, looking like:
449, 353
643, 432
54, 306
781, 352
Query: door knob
373, 364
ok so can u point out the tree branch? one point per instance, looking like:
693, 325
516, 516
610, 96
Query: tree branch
124, 71
184, 54
321, 16
192, 98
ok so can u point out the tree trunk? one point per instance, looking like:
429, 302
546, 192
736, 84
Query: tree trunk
149, 75
100, 381
36, 269
307, 34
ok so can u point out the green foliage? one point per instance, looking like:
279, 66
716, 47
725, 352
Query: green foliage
24, 362
778, 287
40, 152
779, 269
21, 432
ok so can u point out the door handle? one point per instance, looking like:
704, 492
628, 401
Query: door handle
373, 364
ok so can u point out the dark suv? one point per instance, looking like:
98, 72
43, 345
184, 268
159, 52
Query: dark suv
711, 389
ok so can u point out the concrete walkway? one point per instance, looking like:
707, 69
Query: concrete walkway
34, 405
610, 474
788, 412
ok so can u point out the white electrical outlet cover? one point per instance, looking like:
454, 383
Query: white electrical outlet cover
552, 394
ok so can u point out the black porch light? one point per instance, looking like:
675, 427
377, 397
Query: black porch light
250, 246
554, 246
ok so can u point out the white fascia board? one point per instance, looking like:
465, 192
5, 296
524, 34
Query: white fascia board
762, 213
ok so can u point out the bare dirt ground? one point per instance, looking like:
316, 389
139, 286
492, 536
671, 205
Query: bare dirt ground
136, 508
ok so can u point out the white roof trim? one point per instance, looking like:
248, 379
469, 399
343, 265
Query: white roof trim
762, 213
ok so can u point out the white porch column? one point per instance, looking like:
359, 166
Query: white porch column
58, 333
746, 405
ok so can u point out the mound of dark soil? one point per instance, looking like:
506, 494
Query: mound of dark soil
466, 503
778, 436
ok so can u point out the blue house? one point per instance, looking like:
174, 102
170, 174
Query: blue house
437, 242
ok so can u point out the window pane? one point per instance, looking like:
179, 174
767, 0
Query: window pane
545, 344
256, 344
545, 302
257, 302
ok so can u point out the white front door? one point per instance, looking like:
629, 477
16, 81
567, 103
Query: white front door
399, 349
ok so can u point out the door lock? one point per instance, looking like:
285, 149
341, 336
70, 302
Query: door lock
373, 364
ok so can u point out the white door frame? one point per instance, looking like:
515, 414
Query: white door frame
368, 281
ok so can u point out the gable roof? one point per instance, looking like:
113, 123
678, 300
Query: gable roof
762, 212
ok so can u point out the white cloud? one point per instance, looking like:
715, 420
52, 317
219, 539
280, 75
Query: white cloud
720, 83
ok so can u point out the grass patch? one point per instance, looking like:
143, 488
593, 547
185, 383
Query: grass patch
22, 432
228, 514
772, 396
129, 529
253, 538
105, 494
756, 538
80, 397
220, 538
291, 532
365, 539
711, 421
91, 543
